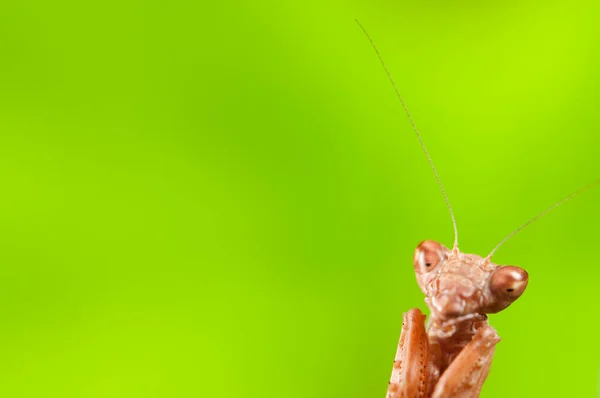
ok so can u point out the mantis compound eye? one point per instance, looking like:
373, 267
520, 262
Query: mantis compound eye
428, 255
507, 284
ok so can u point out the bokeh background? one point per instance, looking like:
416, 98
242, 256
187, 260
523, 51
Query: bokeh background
216, 199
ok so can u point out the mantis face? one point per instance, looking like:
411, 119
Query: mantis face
461, 285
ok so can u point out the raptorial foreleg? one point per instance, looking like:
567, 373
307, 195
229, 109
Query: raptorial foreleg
410, 376
467, 372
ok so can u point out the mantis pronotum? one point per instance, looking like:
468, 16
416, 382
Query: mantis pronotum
452, 355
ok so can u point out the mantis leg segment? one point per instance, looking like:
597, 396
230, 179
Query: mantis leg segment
467, 373
410, 378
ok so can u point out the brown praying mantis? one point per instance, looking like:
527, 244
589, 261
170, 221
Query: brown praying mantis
452, 355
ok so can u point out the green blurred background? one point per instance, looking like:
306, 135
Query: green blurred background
223, 199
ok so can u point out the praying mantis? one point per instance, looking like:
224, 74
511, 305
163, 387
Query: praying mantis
452, 355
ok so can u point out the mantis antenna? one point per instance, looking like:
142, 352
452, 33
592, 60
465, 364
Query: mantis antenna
437, 177
548, 210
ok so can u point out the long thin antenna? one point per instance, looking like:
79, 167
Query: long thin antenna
437, 177
548, 210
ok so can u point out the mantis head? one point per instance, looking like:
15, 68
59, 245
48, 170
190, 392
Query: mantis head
458, 284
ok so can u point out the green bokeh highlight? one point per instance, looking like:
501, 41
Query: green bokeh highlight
216, 200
